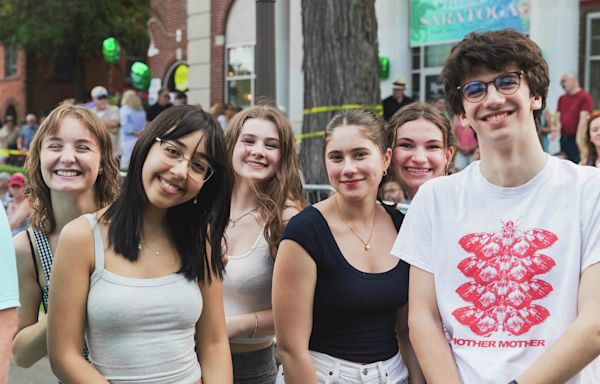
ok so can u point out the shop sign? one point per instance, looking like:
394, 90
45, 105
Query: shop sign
447, 21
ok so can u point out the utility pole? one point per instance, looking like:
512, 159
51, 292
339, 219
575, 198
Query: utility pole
264, 56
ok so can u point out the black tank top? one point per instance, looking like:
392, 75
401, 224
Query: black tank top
354, 312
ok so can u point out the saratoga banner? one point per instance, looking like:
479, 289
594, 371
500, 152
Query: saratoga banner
447, 21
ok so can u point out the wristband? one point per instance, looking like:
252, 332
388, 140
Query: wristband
255, 326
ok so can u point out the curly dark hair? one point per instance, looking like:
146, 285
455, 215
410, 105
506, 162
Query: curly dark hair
495, 50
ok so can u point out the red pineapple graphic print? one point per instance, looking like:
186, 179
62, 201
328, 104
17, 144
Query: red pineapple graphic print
503, 268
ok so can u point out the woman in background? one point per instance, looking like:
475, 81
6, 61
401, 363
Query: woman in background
133, 121
590, 153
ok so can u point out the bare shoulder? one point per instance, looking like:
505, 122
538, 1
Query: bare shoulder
21, 244
25, 265
76, 239
291, 209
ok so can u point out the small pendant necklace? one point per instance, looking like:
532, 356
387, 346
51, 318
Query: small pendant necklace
366, 244
234, 221
155, 251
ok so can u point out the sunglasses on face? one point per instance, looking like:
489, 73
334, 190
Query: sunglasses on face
102, 97
507, 84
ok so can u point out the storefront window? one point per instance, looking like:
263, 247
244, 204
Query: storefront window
427, 65
240, 75
592, 67
10, 61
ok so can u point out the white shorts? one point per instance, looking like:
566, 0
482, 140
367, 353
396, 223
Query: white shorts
331, 370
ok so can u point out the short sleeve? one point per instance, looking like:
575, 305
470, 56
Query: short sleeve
590, 224
413, 244
302, 229
9, 288
588, 103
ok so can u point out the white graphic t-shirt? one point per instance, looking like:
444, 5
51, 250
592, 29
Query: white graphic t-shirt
506, 261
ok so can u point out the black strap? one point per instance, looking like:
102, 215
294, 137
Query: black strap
35, 265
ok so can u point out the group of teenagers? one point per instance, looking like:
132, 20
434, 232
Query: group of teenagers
187, 271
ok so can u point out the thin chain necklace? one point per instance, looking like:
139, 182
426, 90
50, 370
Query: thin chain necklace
155, 251
366, 244
234, 221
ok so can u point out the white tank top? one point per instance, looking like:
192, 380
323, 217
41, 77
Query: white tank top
247, 285
141, 330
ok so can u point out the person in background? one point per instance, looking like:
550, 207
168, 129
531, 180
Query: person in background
4, 193
392, 192
140, 280
133, 121
267, 192
9, 295
571, 114
346, 322
9, 133
397, 100
503, 288
180, 98
440, 104
163, 102
423, 146
72, 172
17, 209
109, 115
466, 143
228, 114
590, 151
27, 132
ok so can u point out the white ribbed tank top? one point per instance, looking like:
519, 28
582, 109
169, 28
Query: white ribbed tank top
141, 330
247, 285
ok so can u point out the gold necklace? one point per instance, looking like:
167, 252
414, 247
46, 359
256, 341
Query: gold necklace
234, 221
156, 251
366, 244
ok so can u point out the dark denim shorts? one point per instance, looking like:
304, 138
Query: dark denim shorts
257, 367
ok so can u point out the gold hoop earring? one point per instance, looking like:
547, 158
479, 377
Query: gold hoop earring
385, 172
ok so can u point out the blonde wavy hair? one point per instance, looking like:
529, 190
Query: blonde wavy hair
132, 100
284, 189
107, 182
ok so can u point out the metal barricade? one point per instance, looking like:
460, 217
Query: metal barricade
317, 192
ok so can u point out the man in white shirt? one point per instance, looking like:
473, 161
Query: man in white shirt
505, 254
109, 114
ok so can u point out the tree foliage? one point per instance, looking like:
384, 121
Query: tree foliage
341, 68
58, 27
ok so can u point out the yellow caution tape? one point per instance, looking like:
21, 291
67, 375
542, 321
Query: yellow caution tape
378, 108
330, 108
309, 135
6, 152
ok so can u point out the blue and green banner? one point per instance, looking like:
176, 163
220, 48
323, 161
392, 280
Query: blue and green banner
447, 21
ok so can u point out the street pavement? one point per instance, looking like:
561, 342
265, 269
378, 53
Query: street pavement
39, 373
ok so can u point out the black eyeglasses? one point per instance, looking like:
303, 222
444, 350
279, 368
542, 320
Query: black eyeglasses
101, 97
172, 155
507, 84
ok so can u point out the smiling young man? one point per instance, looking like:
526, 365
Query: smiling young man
494, 261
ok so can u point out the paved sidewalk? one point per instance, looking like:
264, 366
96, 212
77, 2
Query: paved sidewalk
40, 373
